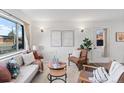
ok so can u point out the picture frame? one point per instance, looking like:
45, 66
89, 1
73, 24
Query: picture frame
56, 39
62, 38
68, 38
100, 37
119, 36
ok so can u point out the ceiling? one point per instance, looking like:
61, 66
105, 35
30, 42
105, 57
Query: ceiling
73, 14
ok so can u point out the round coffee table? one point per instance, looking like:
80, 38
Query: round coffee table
57, 71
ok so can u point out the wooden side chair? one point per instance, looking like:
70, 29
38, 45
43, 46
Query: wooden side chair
79, 61
39, 59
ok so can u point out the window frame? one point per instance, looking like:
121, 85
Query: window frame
17, 22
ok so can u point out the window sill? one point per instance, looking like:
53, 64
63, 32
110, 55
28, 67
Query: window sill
11, 54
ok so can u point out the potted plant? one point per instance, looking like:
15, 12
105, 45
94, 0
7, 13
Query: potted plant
87, 44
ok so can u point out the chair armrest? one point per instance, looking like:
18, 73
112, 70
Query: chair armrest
84, 80
89, 66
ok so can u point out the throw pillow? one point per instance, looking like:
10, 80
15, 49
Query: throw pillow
100, 75
5, 75
19, 60
28, 58
13, 68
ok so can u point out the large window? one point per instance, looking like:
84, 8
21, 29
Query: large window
11, 36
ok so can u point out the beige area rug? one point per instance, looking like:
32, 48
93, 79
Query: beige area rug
72, 75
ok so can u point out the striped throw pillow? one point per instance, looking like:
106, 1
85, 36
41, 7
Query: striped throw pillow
100, 75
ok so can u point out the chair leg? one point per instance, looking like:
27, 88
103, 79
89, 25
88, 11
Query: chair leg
65, 78
68, 63
50, 79
42, 67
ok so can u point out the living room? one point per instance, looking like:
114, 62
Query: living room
57, 34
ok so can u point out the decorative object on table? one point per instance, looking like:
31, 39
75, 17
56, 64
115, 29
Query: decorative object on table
87, 44
14, 68
55, 62
120, 36
55, 59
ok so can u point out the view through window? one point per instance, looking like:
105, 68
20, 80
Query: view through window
11, 36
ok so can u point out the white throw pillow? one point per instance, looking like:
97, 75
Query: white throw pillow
28, 58
76, 53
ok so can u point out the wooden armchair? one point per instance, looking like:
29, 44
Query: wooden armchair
79, 61
39, 59
84, 74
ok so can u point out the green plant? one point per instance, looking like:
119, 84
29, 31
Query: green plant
87, 44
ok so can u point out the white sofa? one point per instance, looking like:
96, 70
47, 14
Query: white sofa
27, 73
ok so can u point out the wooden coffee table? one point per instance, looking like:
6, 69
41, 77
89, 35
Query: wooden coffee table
57, 71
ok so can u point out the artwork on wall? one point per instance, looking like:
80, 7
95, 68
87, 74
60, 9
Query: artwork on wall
56, 39
68, 38
62, 38
120, 36
100, 37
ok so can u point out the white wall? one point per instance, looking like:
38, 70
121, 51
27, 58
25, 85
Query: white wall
38, 38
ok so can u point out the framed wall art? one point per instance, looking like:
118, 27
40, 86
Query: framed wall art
62, 38
68, 38
100, 37
120, 36
56, 39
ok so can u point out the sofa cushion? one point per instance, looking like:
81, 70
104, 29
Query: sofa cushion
19, 60
28, 58
26, 73
18, 57
5, 75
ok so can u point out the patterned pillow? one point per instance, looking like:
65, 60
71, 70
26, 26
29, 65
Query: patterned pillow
13, 68
100, 74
